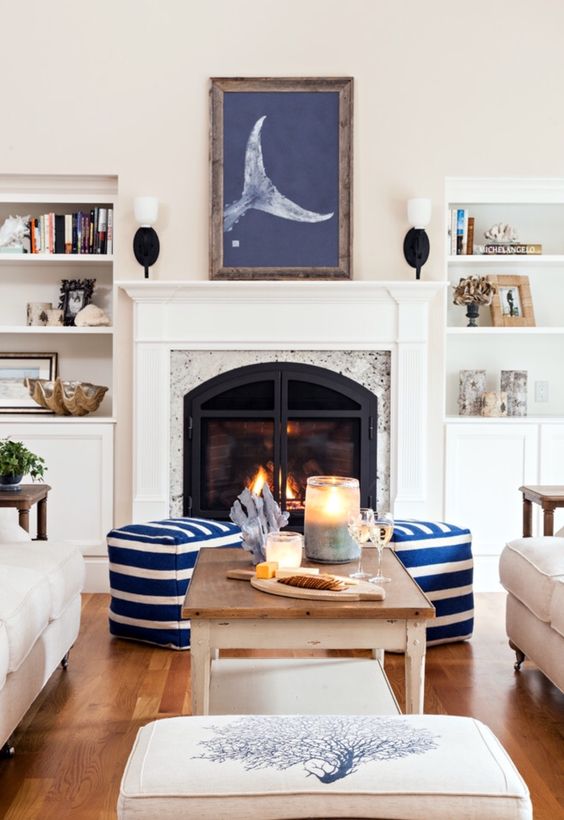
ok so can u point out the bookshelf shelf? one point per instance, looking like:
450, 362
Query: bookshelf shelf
505, 331
10, 259
525, 261
57, 331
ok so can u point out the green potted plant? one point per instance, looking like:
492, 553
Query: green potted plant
16, 461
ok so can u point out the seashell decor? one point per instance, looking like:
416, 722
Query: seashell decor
66, 398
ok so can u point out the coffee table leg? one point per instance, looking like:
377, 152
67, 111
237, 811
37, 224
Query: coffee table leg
415, 668
42, 520
23, 518
200, 666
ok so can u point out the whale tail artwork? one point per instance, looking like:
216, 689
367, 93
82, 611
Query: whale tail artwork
260, 193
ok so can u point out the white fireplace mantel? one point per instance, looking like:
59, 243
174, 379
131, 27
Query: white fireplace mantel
357, 315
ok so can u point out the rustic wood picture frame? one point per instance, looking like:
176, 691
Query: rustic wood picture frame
500, 315
342, 229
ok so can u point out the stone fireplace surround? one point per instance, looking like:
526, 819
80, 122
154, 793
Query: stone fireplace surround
178, 323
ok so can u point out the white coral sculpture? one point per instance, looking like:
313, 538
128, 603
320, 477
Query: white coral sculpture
502, 232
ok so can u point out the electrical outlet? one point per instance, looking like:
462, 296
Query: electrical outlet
541, 392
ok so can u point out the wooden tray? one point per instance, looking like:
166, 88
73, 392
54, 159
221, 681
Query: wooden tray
361, 592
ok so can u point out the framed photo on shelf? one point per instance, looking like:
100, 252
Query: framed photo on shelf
512, 305
75, 295
281, 178
14, 368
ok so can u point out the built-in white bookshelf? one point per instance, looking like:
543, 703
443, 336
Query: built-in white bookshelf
84, 353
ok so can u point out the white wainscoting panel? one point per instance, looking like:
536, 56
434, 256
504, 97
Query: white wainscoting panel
552, 463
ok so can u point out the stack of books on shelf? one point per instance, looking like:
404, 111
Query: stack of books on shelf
83, 232
461, 232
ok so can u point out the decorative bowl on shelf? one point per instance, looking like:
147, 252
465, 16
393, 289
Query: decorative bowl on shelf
66, 398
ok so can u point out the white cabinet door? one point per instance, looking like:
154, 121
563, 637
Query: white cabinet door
552, 462
79, 458
486, 463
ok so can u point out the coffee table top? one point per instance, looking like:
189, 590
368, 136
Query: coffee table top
212, 596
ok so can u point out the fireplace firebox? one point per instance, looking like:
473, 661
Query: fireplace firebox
277, 423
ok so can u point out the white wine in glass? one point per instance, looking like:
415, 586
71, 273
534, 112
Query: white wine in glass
381, 533
360, 529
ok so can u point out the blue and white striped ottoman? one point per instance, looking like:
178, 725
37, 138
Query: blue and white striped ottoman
150, 569
439, 557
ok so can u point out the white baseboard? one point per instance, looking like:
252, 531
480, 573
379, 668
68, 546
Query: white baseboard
97, 573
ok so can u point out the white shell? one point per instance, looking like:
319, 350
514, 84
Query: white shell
91, 316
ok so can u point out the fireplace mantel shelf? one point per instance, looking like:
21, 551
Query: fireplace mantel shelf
293, 291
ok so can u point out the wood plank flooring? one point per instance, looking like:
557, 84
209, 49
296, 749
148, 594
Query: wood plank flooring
72, 746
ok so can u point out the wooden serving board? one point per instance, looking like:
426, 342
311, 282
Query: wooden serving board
362, 592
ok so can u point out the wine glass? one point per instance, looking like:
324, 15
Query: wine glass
360, 527
381, 531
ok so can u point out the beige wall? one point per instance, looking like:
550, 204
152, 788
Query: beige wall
120, 86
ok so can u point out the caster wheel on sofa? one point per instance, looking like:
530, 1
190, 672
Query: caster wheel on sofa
65, 661
520, 656
7, 751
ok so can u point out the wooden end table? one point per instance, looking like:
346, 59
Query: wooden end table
227, 614
23, 501
549, 496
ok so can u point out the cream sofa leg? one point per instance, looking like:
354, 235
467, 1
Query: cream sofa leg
65, 661
520, 655
7, 750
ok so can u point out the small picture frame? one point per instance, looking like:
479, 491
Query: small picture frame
75, 295
14, 368
512, 305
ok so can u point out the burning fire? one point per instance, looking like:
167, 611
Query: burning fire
263, 476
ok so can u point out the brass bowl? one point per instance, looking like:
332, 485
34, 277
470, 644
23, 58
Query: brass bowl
66, 398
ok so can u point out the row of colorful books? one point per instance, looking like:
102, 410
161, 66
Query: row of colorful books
83, 232
461, 239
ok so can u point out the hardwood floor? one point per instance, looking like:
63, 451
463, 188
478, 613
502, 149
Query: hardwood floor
72, 746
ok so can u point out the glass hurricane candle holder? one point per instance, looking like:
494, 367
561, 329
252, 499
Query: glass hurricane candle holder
330, 503
286, 548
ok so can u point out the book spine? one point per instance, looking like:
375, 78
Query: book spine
453, 217
518, 249
42, 233
75, 233
103, 229
68, 233
37, 236
110, 231
465, 233
470, 240
91, 231
32, 234
59, 233
459, 230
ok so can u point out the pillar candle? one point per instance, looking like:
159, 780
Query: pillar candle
331, 501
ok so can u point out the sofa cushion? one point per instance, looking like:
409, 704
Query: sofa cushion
325, 766
528, 568
4, 654
61, 564
25, 603
557, 607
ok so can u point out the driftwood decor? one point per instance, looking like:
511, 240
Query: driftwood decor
257, 517
281, 178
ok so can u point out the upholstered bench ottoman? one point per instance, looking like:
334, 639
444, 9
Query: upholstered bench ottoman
273, 767
439, 557
150, 569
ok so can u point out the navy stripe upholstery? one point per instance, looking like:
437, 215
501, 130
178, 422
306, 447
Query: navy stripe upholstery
150, 569
439, 557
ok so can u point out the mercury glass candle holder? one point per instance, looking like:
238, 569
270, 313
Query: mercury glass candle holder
330, 503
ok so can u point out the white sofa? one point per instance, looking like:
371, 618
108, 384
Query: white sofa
40, 586
532, 572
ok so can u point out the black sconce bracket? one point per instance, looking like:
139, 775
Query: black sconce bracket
146, 247
416, 249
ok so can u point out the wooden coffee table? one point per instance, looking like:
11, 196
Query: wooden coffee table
549, 496
227, 614
23, 500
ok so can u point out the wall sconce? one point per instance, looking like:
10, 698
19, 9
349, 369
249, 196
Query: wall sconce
416, 243
146, 244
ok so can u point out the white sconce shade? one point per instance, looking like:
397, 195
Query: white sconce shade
419, 212
146, 209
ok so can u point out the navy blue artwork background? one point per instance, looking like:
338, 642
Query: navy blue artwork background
300, 145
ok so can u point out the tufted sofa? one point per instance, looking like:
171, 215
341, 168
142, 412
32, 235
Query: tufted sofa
532, 572
40, 586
